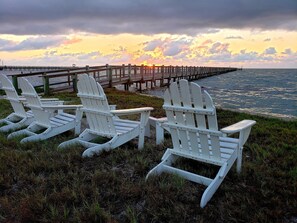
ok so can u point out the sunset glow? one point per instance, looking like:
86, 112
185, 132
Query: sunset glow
254, 45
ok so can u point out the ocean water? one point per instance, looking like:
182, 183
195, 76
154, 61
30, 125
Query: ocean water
271, 92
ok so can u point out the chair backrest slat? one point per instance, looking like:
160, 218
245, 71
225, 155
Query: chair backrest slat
95, 105
192, 120
12, 96
198, 103
33, 101
211, 119
186, 100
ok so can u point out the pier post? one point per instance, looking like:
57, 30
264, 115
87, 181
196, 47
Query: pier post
141, 71
123, 71
46, 86
153, 80
162, 78
15, 82
109, 75
68, 77
74, 82
129, 78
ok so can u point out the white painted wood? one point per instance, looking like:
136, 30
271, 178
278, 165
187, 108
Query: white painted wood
105, 122
19, 118
192, 122
50, 124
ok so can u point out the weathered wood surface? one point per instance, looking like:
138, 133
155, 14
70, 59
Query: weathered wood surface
5, 67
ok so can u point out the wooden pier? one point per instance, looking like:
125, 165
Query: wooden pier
22, 68
126, 75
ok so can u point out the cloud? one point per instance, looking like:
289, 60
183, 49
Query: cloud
221, 56
144, 17
83, 58
5, 42
234, 37
72, 41
169, 46
208, 41
244, 56
172, 50
270, 50
152, 45
32, 43
267, 40
219, 48
288, 51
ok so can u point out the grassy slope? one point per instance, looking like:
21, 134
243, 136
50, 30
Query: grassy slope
39, 183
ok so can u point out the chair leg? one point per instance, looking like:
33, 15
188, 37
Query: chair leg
33, 127
78, 118
93, 151
167, 160
159, 134
111, 144
12, 118
84, 140
96, 150
13, 122
10, 126
68, 143
141, 139
37, 137
156, 123
239, 160
216, 182
157, 170
20, 132
148, 130
210, 190
84, 136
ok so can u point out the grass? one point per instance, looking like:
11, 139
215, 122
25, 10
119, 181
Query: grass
39, 183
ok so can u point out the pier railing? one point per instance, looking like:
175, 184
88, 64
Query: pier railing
111, 75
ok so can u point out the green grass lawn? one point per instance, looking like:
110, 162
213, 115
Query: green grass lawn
40, 183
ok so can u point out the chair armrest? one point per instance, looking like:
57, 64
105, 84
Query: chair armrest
243, 127
51, 102
61, 107
112, 107
22, 99
239, 126
131, 111
144, 114
154, 121
49, 99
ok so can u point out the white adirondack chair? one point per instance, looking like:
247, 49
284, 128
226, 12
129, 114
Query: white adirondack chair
192, 123
45, 124
20, 117
105, 122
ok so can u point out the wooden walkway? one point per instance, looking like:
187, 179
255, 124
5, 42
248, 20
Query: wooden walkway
112, 75
5, 67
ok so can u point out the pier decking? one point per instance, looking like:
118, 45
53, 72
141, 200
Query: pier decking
112, 75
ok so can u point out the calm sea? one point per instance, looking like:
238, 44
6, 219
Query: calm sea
271, 92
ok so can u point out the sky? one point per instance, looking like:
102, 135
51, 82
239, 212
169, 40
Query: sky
238, 33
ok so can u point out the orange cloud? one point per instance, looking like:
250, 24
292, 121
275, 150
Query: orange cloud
72, 41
